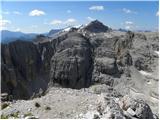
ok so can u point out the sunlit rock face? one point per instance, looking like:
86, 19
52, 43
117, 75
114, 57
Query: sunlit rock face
81, 57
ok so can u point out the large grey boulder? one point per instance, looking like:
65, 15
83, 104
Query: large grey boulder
136, 108
105, 69
111, 107
108, 108
106, 65
72, 64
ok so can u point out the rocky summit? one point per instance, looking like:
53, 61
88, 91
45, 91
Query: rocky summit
88, 72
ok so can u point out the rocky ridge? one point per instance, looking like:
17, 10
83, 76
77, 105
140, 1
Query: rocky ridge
82, 57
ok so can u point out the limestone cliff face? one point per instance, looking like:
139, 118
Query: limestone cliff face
72, 64
77, 60
26, 66
21, 69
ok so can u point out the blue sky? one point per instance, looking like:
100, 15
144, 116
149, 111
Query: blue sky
42, 16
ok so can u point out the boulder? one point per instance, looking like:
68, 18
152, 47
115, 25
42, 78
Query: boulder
136, 108
105, 69
4, 97
124, 43
131, 112
108, 108
72, 64
126, 59
106, 65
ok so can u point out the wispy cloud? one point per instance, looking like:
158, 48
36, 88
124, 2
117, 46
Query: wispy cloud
90, 19
70, 21
128, 11
17, 13
37, 13
96, 8
5, 12
34, 26
129, 25
8, 12
69, 11
17, 29
4, 23
56, 22
157, 14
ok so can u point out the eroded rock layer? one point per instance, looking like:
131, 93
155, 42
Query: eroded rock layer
81, 57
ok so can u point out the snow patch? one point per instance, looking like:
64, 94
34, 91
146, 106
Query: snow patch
157, 52
145, 73
77, 26
68, 28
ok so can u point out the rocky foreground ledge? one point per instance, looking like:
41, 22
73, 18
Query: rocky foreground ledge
94, 102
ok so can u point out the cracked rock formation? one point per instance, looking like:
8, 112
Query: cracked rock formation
81, 57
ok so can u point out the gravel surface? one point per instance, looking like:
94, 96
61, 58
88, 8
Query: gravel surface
64, 103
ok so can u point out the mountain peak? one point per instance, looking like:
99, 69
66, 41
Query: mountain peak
96, 21
96, 27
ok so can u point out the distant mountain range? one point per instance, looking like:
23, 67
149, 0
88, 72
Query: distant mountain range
9, 36
53, 31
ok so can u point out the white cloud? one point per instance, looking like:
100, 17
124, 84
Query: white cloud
70, 21
6, 12
4, 23
90, 19
36, 13
34, 26
129, 23
157, 14
56, 22
128, 27
128, 11
18, 29
96, 8
17, 13
69, 11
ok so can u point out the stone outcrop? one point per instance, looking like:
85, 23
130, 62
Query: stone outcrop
79, 58
136, 108
122, 108
22, 70
72, 64
26, 66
